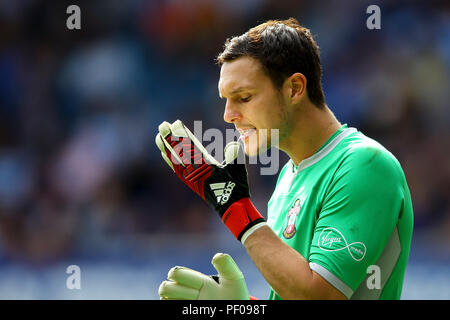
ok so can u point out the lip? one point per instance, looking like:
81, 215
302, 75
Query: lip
245, 133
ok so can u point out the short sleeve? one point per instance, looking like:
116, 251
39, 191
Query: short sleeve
358, 214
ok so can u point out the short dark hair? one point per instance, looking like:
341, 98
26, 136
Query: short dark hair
283, 47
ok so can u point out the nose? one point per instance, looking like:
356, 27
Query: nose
231, 113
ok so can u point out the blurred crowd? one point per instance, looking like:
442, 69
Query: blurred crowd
79, 110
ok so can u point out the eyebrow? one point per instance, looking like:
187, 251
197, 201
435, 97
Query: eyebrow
237, 90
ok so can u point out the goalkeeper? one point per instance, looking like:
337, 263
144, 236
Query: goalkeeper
339, 222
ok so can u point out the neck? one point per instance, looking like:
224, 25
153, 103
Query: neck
312, 128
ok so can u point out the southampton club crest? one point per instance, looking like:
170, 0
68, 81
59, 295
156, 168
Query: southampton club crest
293, 212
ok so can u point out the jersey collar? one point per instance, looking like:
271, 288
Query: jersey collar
326, 148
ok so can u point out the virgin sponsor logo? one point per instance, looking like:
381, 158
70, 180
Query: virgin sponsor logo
331, 239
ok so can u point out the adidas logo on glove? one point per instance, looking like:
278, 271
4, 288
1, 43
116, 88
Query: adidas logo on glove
222, 191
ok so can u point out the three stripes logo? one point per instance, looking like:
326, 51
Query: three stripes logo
222, 191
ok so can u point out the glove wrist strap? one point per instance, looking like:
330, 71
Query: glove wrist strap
242, 218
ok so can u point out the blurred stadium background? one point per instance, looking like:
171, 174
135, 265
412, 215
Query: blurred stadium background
81, 181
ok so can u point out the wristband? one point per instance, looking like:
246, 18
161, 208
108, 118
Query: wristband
242, 218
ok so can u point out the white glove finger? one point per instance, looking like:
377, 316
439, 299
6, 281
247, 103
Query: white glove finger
172, 290
187, 277
179, 129
226, 267
160, 143
164, 131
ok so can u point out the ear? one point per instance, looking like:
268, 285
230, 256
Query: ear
296, 85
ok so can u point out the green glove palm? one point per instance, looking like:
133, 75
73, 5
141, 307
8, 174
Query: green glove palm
188, 284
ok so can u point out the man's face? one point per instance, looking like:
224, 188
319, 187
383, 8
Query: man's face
253, 104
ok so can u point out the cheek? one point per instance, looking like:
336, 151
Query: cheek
267, 112
284, 119
278, 119
266, 116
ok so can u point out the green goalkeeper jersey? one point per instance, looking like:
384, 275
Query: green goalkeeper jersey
347, 209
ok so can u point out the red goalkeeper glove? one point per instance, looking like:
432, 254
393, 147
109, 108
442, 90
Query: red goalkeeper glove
224, 186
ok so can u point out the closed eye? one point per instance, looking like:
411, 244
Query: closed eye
246, 99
